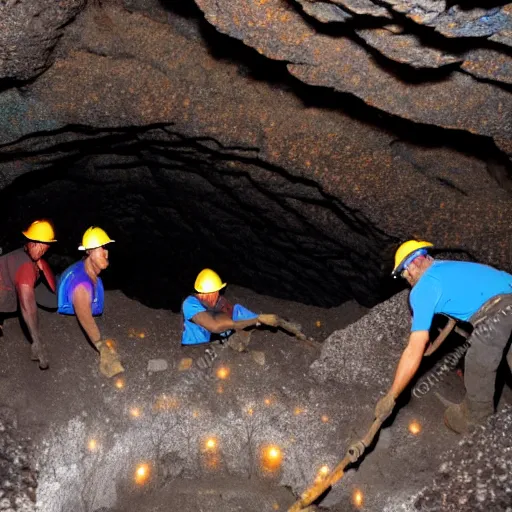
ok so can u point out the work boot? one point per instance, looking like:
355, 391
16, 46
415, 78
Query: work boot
460, 417
239, 341
37, 353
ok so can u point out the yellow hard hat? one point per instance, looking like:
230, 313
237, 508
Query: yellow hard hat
93, 238
40, 231
411, 248
208, 281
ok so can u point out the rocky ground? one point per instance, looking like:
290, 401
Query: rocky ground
141, 442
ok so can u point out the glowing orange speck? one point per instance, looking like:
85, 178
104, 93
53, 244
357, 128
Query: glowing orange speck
272, 458
142, 473
142, 335
318, 323
92, 445
223, 372
325, 418
211, 443
414, 427
267, 401
357, 498
324, 470
298, 411
250, 411
135, 412
119, 383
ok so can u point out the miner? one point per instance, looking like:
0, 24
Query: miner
472, 292
21, 286
81, 293
208, 316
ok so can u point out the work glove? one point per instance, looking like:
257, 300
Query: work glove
109, 359
385, 407
271, 320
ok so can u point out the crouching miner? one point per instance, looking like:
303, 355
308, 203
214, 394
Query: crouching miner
20, 272
81, 293
208, 316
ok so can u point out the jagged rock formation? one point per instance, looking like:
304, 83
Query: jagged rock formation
216, 156
476, 474
18, 477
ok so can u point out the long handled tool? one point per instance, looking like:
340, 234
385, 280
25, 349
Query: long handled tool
450, 326
353, 454
296, 330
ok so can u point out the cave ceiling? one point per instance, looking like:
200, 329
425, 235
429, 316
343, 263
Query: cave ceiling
295, 140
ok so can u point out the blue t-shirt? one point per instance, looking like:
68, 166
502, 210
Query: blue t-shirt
193, 333
72, 277
455, 288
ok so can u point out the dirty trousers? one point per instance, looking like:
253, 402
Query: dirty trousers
490, 342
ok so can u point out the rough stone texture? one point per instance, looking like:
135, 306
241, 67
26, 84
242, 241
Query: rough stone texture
364, 7
475, 475
349, 356
324, 11
29, 30
292, 185
18, 477
341, 63
489, 64
157, 365
408, 49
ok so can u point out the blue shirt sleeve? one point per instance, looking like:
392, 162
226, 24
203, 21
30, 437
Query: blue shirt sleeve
192, 306
75, 282
423, 299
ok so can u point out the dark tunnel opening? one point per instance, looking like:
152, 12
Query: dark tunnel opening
177, 205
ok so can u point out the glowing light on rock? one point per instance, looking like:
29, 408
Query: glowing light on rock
223, 372
142, 473
325, 418
357, 498
195, 414
211, 444
318, 323
141, 335
414, 427
135, 412
92, 445
268, 401
271, 457
298, 410
250, 411
220, 389
275, 506
119, 383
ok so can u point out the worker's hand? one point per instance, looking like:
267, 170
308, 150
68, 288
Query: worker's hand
385, 407
268, 320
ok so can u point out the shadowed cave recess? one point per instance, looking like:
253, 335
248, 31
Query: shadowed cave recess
288, 144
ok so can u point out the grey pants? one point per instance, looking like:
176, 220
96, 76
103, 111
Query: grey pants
490, 342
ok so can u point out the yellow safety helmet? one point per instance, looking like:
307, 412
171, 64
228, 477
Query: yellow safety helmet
40, 231
208, 281
407, 252
93, 238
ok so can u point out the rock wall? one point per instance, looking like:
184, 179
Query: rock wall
195, 150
